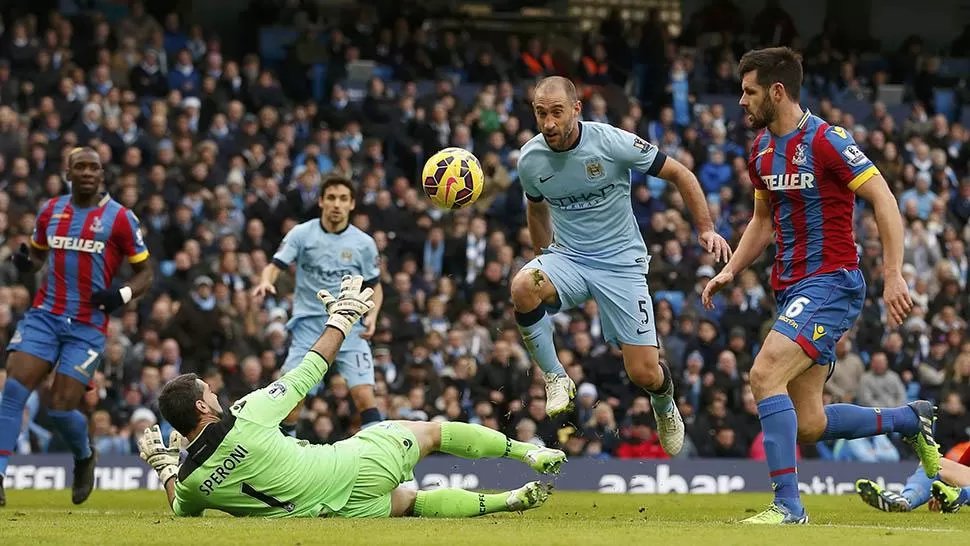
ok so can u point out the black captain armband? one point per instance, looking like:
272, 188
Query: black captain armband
535, 199
658, 164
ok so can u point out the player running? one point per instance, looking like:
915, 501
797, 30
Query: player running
807, 175
950, 490
576, 176
325, 250
239, 462
82, 238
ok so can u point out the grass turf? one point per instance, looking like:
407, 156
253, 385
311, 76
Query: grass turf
141, 517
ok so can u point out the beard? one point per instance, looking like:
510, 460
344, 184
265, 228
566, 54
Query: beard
764, 116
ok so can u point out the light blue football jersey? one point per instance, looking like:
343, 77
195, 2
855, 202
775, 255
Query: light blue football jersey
322, 259
588, 191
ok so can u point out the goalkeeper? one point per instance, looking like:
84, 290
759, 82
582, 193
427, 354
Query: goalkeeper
239, 462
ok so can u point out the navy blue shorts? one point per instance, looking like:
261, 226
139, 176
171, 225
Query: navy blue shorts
73, 347
816, 311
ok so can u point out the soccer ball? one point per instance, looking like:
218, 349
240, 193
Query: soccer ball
453, 178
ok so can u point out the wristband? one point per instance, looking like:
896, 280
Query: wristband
125, 294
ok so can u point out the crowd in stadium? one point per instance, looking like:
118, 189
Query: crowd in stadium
219, 158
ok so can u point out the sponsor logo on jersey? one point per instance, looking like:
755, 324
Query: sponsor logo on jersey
90, 246
854, 156
800, 157
582, 201
792, 181
594, 169
840, 131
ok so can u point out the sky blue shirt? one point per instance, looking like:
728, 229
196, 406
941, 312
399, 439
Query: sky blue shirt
587, 188
322, 259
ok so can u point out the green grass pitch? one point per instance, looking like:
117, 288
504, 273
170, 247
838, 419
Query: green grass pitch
141, 517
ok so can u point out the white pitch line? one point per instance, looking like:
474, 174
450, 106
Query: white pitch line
887, 528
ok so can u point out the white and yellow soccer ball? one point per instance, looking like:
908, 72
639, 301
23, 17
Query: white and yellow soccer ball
453, 178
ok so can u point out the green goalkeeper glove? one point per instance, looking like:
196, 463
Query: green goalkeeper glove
351, 304
163, 460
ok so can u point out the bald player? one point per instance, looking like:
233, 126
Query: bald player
576, 176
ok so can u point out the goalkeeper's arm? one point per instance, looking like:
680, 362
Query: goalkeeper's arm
268, 406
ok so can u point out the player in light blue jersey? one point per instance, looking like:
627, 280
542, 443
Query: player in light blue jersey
577, 179
325, 250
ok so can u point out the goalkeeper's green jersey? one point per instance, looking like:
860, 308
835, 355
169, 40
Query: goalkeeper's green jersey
245, 466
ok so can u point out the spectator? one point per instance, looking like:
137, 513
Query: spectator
881, 387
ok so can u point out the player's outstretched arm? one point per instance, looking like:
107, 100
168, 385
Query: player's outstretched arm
540, 225
679, 175
896, 293
267, 281
754, 241
268, 406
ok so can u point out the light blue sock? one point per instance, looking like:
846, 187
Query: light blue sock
964, 497
11, 418
663, 398
780, 426
537, 330
917, 489
74, 427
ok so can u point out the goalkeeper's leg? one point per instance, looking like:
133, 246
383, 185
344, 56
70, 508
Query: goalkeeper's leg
478, 442
458, 503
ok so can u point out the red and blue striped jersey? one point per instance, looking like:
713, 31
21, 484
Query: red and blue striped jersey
809, 178
85, 247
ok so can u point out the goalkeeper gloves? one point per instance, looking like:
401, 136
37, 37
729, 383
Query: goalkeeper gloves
109, 300
351, 304
21, 259
163, 460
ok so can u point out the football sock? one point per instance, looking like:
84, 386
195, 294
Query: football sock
74, 428
368, 417
478, 442
663, 398
537, 330
849, 421
780, 426
917, 489
457, 503
11, 418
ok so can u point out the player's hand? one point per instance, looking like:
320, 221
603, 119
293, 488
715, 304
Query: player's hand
107, 300
352, 303
163, 460
263, 288
21, 259
896, 295
370, 327
714, 286
712, 242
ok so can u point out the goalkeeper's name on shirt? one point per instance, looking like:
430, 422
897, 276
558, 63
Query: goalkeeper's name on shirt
221, 473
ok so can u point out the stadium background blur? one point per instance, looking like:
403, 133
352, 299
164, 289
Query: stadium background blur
218, 139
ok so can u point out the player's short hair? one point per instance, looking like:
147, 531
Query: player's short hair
177, 402
559, 83
775, 65
77, 151
332, 180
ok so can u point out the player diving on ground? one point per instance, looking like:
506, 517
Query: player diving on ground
239, 462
